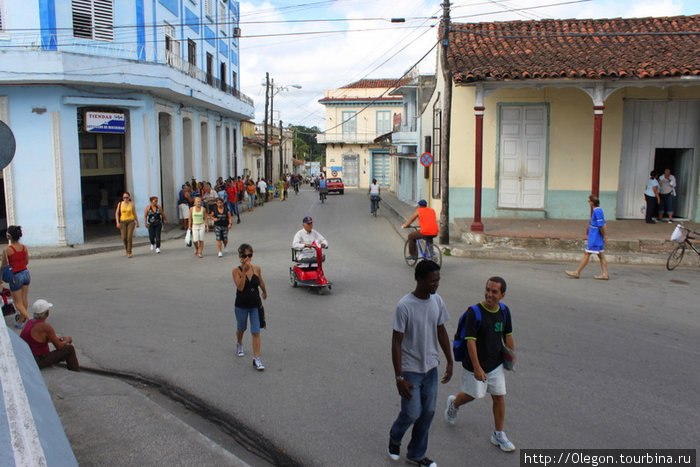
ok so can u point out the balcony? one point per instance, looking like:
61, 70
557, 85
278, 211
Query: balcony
347, 138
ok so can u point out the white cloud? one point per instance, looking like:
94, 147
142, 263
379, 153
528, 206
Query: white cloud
320, 62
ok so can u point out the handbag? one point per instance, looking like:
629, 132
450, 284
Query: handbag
188, 238
261, 313
7, 274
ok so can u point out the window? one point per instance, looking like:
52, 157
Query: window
437, 138
2, 14
191, 52
234, 82
349, 125
210, 64
383, 122
93, 19
223, 76
208, 10
222, 19
172, 46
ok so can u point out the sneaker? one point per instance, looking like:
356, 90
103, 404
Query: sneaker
225, 249
412, 258
502, 441
258, 364
220, 254
152, 246
239, 350
157, 250
19, 325
670, 221
394, 451
451, 410
424, 462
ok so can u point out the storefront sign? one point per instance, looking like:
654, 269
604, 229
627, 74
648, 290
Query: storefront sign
104, 122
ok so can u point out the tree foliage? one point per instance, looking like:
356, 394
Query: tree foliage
305, 145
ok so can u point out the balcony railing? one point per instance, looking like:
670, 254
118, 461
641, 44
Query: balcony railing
348, 138
68, 43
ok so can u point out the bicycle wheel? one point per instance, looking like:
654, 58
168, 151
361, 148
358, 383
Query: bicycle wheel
674, 259
410, 262
435, 254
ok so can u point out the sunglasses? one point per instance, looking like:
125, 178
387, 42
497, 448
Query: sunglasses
250, 255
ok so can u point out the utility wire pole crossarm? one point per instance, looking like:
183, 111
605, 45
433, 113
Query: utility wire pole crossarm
445, 133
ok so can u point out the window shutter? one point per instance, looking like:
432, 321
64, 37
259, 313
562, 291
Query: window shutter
82, 18
104, 20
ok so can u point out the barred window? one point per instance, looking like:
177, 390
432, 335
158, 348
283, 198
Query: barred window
93, 19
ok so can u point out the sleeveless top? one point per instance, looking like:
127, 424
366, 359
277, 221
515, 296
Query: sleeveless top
154, 217
18, 260
427, 221
38, 348
126, 214
221, 217
248, 297
197, 217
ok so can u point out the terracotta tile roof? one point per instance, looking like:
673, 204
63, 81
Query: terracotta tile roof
631, 48
377, 83
361, 100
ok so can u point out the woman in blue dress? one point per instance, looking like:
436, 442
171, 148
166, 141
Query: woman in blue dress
596, 241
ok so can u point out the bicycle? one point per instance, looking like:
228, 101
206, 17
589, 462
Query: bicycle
374, 204
426, 250
684, 240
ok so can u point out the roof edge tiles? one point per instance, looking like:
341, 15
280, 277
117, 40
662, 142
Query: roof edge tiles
617, 48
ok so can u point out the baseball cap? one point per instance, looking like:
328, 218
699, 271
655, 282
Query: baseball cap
39, 307
307, 220
422, 203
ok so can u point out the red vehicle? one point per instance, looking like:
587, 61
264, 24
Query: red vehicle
335, 184
310, 276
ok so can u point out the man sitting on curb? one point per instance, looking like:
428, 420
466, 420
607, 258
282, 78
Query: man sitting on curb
38, 333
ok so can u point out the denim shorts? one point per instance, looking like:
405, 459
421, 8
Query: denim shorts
221, 233
242, 319
19, 280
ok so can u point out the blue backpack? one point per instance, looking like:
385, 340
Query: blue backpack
459, 345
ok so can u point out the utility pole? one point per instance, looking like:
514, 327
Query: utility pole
272, 118
281, 155
266, 158
445, 130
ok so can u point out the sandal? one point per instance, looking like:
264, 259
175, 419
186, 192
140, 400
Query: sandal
572, 274
601, 278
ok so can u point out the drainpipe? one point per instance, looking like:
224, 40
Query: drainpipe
477, 226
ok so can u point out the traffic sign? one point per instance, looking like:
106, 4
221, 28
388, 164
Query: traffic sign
426, 159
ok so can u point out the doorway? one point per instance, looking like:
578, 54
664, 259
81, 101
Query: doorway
101, 180
679, 161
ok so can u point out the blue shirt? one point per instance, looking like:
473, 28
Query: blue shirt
651, 183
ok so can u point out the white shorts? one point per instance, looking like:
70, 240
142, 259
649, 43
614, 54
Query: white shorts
198, 232
495, 383
184, 211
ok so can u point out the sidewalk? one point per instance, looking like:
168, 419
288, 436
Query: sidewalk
555, 240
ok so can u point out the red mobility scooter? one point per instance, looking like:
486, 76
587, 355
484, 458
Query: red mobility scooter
309, 271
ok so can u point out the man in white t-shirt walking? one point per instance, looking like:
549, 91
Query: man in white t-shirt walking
418, 331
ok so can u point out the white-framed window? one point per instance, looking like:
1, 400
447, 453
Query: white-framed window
93, 19
383, 122
208, 8
172, 46
349, 124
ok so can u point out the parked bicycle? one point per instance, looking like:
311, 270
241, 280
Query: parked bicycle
682, 235
426, 250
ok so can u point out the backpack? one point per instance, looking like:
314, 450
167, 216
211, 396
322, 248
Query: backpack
459, 345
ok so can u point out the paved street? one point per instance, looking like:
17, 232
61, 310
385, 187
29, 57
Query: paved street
601, 364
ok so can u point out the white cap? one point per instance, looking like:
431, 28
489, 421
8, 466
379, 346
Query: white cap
39, 307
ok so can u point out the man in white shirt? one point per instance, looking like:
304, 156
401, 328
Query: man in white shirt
304, 239
262, 190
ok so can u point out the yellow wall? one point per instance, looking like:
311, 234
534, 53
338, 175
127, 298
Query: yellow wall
570, 149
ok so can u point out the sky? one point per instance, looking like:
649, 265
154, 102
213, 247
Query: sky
322, 45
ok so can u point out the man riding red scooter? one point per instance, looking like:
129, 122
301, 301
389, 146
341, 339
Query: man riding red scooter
308, 258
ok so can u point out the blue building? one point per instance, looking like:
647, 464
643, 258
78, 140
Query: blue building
106, 95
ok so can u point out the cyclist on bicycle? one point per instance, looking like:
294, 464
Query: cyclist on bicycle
322, 188
427, 220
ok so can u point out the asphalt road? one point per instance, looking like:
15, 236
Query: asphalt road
601, 364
